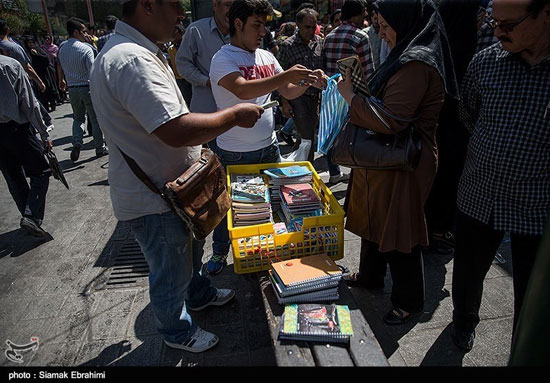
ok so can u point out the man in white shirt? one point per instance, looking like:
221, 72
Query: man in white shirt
240, 72
143, 114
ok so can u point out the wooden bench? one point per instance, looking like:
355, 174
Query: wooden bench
363, 349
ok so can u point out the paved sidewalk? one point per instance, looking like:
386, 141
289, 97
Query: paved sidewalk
55, 289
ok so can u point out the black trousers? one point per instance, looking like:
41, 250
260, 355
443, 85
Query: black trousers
476, 246
407, 272
452, 141
21, 156
306, 118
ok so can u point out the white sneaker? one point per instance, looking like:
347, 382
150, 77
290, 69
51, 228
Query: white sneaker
200, 341
222, 297
342, 177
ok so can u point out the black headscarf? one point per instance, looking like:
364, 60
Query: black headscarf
420, 36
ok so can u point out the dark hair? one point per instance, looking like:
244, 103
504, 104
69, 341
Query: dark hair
333, 16
352, 8
306, 12
129, 8
536, 6
74, 24
243, 9
305, 6
3, 27
110, 21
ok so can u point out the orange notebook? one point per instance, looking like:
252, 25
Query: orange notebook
306, 269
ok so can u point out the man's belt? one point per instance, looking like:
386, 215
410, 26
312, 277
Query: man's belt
78, 86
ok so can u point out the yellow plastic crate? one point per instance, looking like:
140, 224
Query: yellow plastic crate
256, 247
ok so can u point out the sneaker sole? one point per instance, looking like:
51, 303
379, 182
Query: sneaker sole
34, 232
217, 303
191, 349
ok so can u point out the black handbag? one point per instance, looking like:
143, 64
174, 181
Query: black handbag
358, 147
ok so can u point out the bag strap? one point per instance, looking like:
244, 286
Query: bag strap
376, 105
140, 173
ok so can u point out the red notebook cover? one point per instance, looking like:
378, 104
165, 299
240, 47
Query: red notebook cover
298, 193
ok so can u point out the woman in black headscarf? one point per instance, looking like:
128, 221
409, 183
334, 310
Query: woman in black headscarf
45, 70
386, 208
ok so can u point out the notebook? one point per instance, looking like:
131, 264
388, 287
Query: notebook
357, 75
316, 322
283, 291
307, 269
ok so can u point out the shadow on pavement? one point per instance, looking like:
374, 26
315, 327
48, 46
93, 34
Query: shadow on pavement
17, 242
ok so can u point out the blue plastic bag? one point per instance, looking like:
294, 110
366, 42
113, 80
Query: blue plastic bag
333, 115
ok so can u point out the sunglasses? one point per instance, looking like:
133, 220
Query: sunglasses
505, 27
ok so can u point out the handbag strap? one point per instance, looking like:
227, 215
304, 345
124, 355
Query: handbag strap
375, 105
140, 173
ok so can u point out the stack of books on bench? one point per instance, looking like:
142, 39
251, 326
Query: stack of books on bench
316, 322
250, 200
296, 174
314, 278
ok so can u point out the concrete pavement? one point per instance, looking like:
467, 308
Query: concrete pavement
62, 290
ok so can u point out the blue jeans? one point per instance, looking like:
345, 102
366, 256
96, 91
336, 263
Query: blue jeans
289, 126
175, 280
333, 169
268, 154
81, 102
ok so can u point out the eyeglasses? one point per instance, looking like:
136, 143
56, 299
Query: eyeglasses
505, 27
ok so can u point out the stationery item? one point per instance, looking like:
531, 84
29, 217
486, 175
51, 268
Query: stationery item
316, 322
300, 271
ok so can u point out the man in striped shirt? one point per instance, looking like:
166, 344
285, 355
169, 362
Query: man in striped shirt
75, 59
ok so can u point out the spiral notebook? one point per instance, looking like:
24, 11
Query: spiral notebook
316, 322
283, 291
304, 270
322, 292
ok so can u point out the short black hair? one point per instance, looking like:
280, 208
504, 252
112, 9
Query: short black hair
74, 24
333, 15
306, 12
3, 27
110, 21
243, 9
352, 8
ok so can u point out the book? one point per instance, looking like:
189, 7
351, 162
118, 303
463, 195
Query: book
316, 322
250, 200
314, 296
301, 271
289, 172
329, 286
299, 194
357, 74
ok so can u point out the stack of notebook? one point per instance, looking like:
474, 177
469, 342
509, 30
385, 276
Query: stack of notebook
314, 278
250, 200
285, 176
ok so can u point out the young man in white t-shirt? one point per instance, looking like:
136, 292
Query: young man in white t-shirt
241, 72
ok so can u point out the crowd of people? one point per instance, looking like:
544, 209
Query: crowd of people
474, 75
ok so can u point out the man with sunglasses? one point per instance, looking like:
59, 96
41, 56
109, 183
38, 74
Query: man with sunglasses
505, 184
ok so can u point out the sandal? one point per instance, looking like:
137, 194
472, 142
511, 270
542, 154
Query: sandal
397, 316
354, 279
